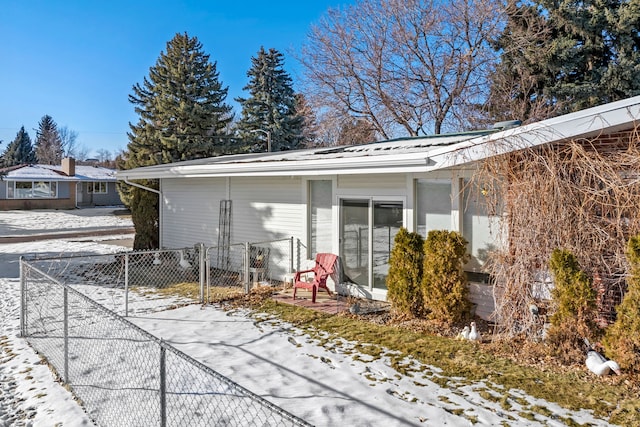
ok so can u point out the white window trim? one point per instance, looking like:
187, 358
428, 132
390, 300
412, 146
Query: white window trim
91, 187
33, 182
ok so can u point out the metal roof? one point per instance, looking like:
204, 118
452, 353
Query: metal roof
419, 154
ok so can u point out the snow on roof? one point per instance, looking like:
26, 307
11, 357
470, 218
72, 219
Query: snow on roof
420, 154
54, 173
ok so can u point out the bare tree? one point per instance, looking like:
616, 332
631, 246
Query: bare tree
81, 152
69, 139
103, 155
403, 65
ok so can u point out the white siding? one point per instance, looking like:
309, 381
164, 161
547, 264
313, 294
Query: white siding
391, 181
190, 211
267, 209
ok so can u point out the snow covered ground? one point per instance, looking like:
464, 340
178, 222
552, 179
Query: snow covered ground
326, 385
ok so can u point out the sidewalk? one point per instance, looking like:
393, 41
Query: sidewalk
66, 234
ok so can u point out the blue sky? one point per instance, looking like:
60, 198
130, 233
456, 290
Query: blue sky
77, 60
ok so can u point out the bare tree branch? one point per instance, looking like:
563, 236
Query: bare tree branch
403, 65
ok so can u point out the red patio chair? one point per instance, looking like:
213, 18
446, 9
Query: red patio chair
325, 266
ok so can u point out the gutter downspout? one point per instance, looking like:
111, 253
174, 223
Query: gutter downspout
153, 190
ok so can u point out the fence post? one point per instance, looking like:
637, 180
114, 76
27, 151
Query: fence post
163, 385
201, 252
23, 298
66, 333
291, 255
126, 285
247, 261
207, 263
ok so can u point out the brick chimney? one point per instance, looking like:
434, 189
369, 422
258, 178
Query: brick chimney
69, 166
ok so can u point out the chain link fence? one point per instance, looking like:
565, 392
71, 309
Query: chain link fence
138, 282
131, 282
122, 375
247, 265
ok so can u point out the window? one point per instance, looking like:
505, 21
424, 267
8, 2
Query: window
319, 217
433, 205
477, 226
368, 228
31, 190
97, 187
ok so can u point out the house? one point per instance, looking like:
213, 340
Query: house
57, 187
351, 200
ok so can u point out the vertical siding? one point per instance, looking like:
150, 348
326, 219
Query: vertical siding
262, 209
190, 211
267, 208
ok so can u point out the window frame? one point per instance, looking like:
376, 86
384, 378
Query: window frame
13, 193
91, 187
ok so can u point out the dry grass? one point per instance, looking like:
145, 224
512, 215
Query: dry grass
504, 365
508, 365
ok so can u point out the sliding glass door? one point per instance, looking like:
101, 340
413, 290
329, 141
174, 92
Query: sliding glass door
368, 227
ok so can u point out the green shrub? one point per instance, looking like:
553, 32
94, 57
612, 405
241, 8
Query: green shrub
444, 284
405, 273
575, 305
622, 339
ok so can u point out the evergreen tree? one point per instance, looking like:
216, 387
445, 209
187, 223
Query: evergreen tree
182, 116
575, 306
48, 145
405, 273
559, 56
19, 151
445, 290
521, 76
622, 339
270, 110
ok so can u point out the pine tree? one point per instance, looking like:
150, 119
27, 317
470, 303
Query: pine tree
19, 151
270, 110
559, 56
48, 145
182, 116
521, 76
622, 339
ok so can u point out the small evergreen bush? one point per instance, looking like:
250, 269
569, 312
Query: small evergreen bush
405, 273
444, 284
622, 339
575, 306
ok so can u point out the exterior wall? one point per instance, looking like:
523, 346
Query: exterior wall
267, 209
270, 208
263, 210
94, 199
394, 182
190, 210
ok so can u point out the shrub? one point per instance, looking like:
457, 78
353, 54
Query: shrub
575, 305
622, 339
444, 284
405, 273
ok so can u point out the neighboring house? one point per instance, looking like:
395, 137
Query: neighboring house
57, 187
351, 200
